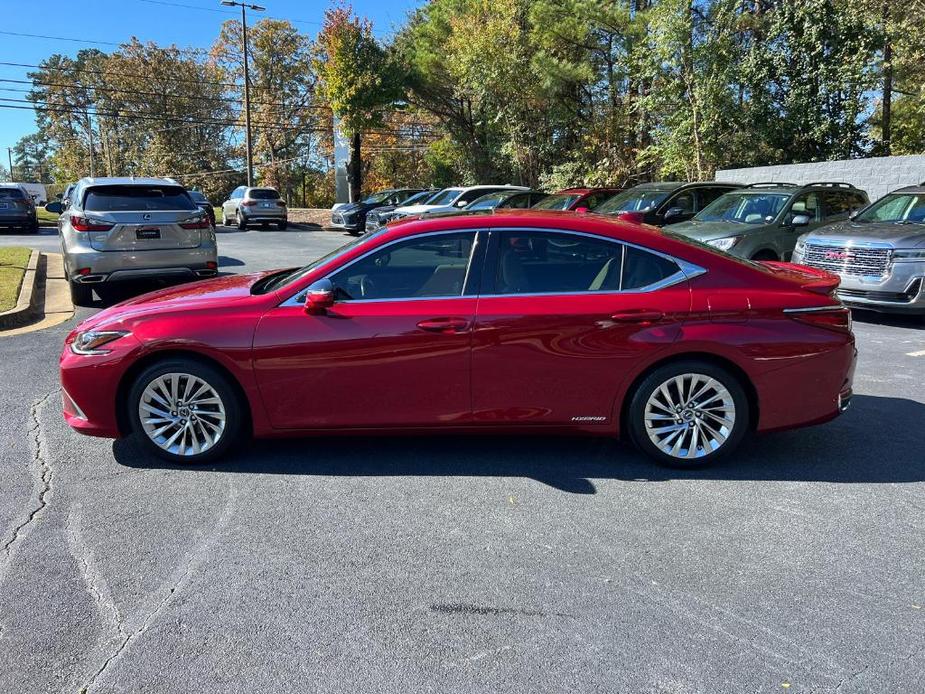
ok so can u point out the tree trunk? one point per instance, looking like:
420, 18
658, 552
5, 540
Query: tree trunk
356, 168
887, 103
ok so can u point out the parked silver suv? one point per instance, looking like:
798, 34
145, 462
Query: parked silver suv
255, 206
879, 254
117, 229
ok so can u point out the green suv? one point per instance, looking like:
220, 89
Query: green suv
762, 221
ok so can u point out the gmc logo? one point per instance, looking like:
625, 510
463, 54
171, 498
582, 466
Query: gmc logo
837, 255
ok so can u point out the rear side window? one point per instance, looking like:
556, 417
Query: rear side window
559, 262
263, 194
137, 199
707, 195
11, 194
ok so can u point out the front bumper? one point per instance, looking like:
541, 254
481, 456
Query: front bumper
352, 223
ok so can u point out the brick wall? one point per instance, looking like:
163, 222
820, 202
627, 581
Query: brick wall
878, 175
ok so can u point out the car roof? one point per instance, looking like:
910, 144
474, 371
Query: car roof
918, 188
587, 191
126, 181
487, 186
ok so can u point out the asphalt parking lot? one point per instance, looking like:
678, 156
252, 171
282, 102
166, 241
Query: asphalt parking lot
463, 564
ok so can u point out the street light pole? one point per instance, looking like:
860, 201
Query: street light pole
247, 92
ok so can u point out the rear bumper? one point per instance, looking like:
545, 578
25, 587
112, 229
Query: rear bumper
114, 266
18, 220
268, 215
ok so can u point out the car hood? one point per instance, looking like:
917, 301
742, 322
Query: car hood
897, 235
206, 294
706, 231
422, 209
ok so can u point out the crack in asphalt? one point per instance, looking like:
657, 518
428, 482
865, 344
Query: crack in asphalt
42, 474
196, 556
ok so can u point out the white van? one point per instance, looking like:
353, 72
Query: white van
37, 191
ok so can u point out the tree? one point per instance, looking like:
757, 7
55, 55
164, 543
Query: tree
290, 127
31, 160
356, 77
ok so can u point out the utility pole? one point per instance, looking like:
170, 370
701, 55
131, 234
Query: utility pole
9, 154
247, 94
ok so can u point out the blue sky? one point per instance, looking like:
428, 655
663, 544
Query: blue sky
181, 22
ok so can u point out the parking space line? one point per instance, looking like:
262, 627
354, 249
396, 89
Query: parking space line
920, 353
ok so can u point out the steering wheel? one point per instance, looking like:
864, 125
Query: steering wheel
367, 287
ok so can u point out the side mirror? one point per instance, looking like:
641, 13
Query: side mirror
461, 203
320, 297
582, 210
799, 220
55, 207
674, 213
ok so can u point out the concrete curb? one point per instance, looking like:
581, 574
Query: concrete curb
27, 305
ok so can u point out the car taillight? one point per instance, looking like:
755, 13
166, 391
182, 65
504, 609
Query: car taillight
249, 203
837, 318
87, 224
196, 224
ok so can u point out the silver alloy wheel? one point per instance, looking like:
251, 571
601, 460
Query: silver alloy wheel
182, 414
690, 416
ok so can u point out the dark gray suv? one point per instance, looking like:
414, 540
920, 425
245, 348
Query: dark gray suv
763, 220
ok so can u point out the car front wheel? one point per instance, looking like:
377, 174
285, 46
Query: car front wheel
185, 411
688, 414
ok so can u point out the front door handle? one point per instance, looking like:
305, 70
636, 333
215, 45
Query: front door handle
645, 316
444, 325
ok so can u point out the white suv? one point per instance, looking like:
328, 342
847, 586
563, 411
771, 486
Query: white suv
450, 200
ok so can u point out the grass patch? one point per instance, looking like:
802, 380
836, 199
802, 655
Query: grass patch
46, 217
13, 262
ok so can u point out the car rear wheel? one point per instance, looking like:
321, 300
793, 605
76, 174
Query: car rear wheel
242, 222
33, 228
688, 414
224, 219
81, 294
185, 411
282, 226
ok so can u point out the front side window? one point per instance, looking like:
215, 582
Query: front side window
422, 267
540, 262
808, 204
137, 198
445, 196
898, 208
633, 200
487, 202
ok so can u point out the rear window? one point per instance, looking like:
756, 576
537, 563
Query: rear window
137, 198
263, 194
197, 196
11, 194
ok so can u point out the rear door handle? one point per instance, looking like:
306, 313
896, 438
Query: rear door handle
444, 325
643, 316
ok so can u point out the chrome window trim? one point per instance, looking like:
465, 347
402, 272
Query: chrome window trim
298, 299
686, 270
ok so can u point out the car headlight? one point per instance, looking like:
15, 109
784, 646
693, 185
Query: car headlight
726, 243
800, 246
91, 341
909, 254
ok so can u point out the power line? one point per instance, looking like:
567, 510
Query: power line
59, 38
215, 9
110, 73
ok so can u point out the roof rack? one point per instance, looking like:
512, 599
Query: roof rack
771, 184
829, 184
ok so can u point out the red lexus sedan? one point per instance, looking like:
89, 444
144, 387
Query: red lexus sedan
519, 321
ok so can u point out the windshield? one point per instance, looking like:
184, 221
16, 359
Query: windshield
557, 201
898, 208
488, 202
633, 200
445, 196
419, 198
285, 278
377, 197
262, 194
744, 208
137, 198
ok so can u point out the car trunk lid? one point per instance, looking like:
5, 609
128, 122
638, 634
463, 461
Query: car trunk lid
808, 278
151, 231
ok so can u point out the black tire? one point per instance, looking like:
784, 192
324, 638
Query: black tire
242, 222
765, 255
282, 226
650, 384
230, 401
33, 228
81, 294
